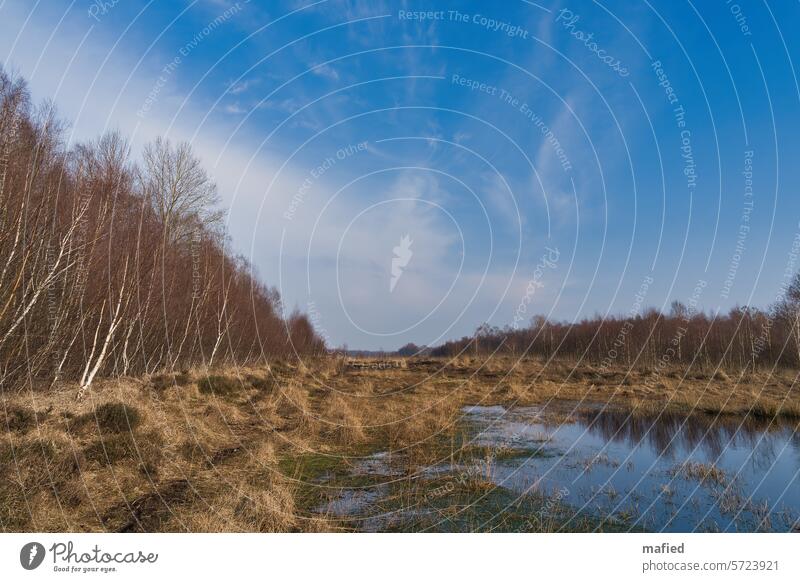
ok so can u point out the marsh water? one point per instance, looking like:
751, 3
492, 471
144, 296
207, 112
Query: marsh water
663, 472
666, 472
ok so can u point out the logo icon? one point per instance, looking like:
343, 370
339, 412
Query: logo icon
31, 555
402, 255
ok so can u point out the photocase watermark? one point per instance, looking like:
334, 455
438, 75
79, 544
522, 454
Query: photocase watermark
169, 69
674, 349
53, 304
461, 478
316, 173
490, 24
545, 130
95, 560
31, 555
739, 17
100, 8
511, 30
402, 256
679, 113
316, 322
197, 253
621, 339
549, 260
522, 106
534, 522
744, 225
764, 341
568, 20
483, 468
376, 365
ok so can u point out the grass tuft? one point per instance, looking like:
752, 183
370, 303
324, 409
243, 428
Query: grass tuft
721, 376
112, 417
17, 419
163, 381
219, 385
703, 472
145, 451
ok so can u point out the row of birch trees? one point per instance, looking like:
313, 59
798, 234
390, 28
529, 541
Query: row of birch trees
111, 267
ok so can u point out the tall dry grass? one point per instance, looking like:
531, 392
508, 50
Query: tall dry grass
261, 449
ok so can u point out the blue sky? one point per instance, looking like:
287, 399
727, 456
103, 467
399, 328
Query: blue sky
620, 134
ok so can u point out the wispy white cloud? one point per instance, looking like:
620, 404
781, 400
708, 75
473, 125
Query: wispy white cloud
501, 198
241, 86
326, 71
234, 109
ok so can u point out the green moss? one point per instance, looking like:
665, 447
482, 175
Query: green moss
483, 452
311, 466
317, 476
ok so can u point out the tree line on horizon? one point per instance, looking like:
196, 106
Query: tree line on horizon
110, 266
744, 338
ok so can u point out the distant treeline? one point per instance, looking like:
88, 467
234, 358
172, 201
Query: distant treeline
745, 337
111, 267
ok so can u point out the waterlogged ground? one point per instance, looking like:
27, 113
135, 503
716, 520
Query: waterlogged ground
589, 468
336, 445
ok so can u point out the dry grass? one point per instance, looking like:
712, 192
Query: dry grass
238, 449
220, 385
343, 423
706, 473
19, 419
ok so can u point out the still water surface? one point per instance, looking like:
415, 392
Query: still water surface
663, 472
667, 472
